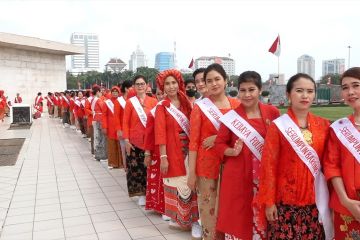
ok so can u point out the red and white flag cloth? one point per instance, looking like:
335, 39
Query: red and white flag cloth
191, 65
275, 47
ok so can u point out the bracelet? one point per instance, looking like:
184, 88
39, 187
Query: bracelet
163, 156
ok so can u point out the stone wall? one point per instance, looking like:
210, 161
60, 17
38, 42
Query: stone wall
30, 72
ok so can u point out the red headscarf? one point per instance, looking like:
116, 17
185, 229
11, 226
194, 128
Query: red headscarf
160, 80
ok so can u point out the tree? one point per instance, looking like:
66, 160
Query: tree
333, 79
149, 73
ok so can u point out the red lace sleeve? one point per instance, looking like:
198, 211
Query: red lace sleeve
160, 126
195, 129
269, 163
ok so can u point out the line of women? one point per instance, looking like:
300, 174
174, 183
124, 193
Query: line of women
234, 169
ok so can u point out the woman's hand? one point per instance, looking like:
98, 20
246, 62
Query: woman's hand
128, 147
354, 207
271, 213
238, 147
147, 158
191, 181
164, 165
209, 142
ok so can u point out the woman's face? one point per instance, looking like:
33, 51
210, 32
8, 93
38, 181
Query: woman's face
200, 83
350, 92
80, 94
140, 86
114, 93
249, 94
215, 83
171, 86
302, 94
159, 94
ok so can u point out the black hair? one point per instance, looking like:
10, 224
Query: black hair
95, 89
215, 67
189, 81
197, 71
138, 77
87, 94
39, 93
126, 84
250, 76
290, 83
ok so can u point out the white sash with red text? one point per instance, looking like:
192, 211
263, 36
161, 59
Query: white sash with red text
211, 111
241, 128
310, 158
110, 105
93, 102
37, 100
77, 102
17, 100
180, 118
122, 101
348, 135
49, 99
83, 102
139, 110
66, 100
152, 111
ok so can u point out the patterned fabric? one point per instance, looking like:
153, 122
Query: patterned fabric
82, 124
91, 136
66, 115
100, 149
296, 223
207, 198
183, 211
114, 154
56, 111
346, 227
155, 187
136, 173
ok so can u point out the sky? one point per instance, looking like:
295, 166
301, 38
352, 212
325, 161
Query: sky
322, 29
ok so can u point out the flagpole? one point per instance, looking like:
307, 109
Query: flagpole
278, 68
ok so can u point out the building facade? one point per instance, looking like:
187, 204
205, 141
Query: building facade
89, 61
227, 63
164, 61
115, 65
306, 64
137, 59
333, 66
277, 79
30, 65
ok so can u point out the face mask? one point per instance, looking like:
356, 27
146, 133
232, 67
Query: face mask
149, 94
190, 92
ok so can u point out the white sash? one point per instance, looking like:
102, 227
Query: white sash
83, 102
180, 118
152, 111
110, 105
66, 100
241, 128
139, 110
348, 135
77, 102
309, 156
211, 111
93, 102
51, 102
122, 102
16, 99
37, 100
90, 98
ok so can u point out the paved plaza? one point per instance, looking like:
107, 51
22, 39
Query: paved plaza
56, 190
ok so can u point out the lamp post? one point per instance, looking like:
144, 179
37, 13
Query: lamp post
349, 47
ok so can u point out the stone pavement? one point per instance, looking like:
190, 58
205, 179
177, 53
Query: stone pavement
57, 190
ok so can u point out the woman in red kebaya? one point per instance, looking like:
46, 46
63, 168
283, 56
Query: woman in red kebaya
239, 184
125, 86
172, 137
134, 123
204, 163
342, 161
290, 163
79, 110
2, 105
154, 182
112, 126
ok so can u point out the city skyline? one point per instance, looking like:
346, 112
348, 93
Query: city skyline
244, 29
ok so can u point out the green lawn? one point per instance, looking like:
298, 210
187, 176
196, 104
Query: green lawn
331, 113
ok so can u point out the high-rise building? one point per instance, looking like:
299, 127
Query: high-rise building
306, 64
115, 65
227, 63
333, 66
90, 60
137, 59
164, 61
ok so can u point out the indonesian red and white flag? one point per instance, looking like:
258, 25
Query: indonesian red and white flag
191, 65
275, 47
